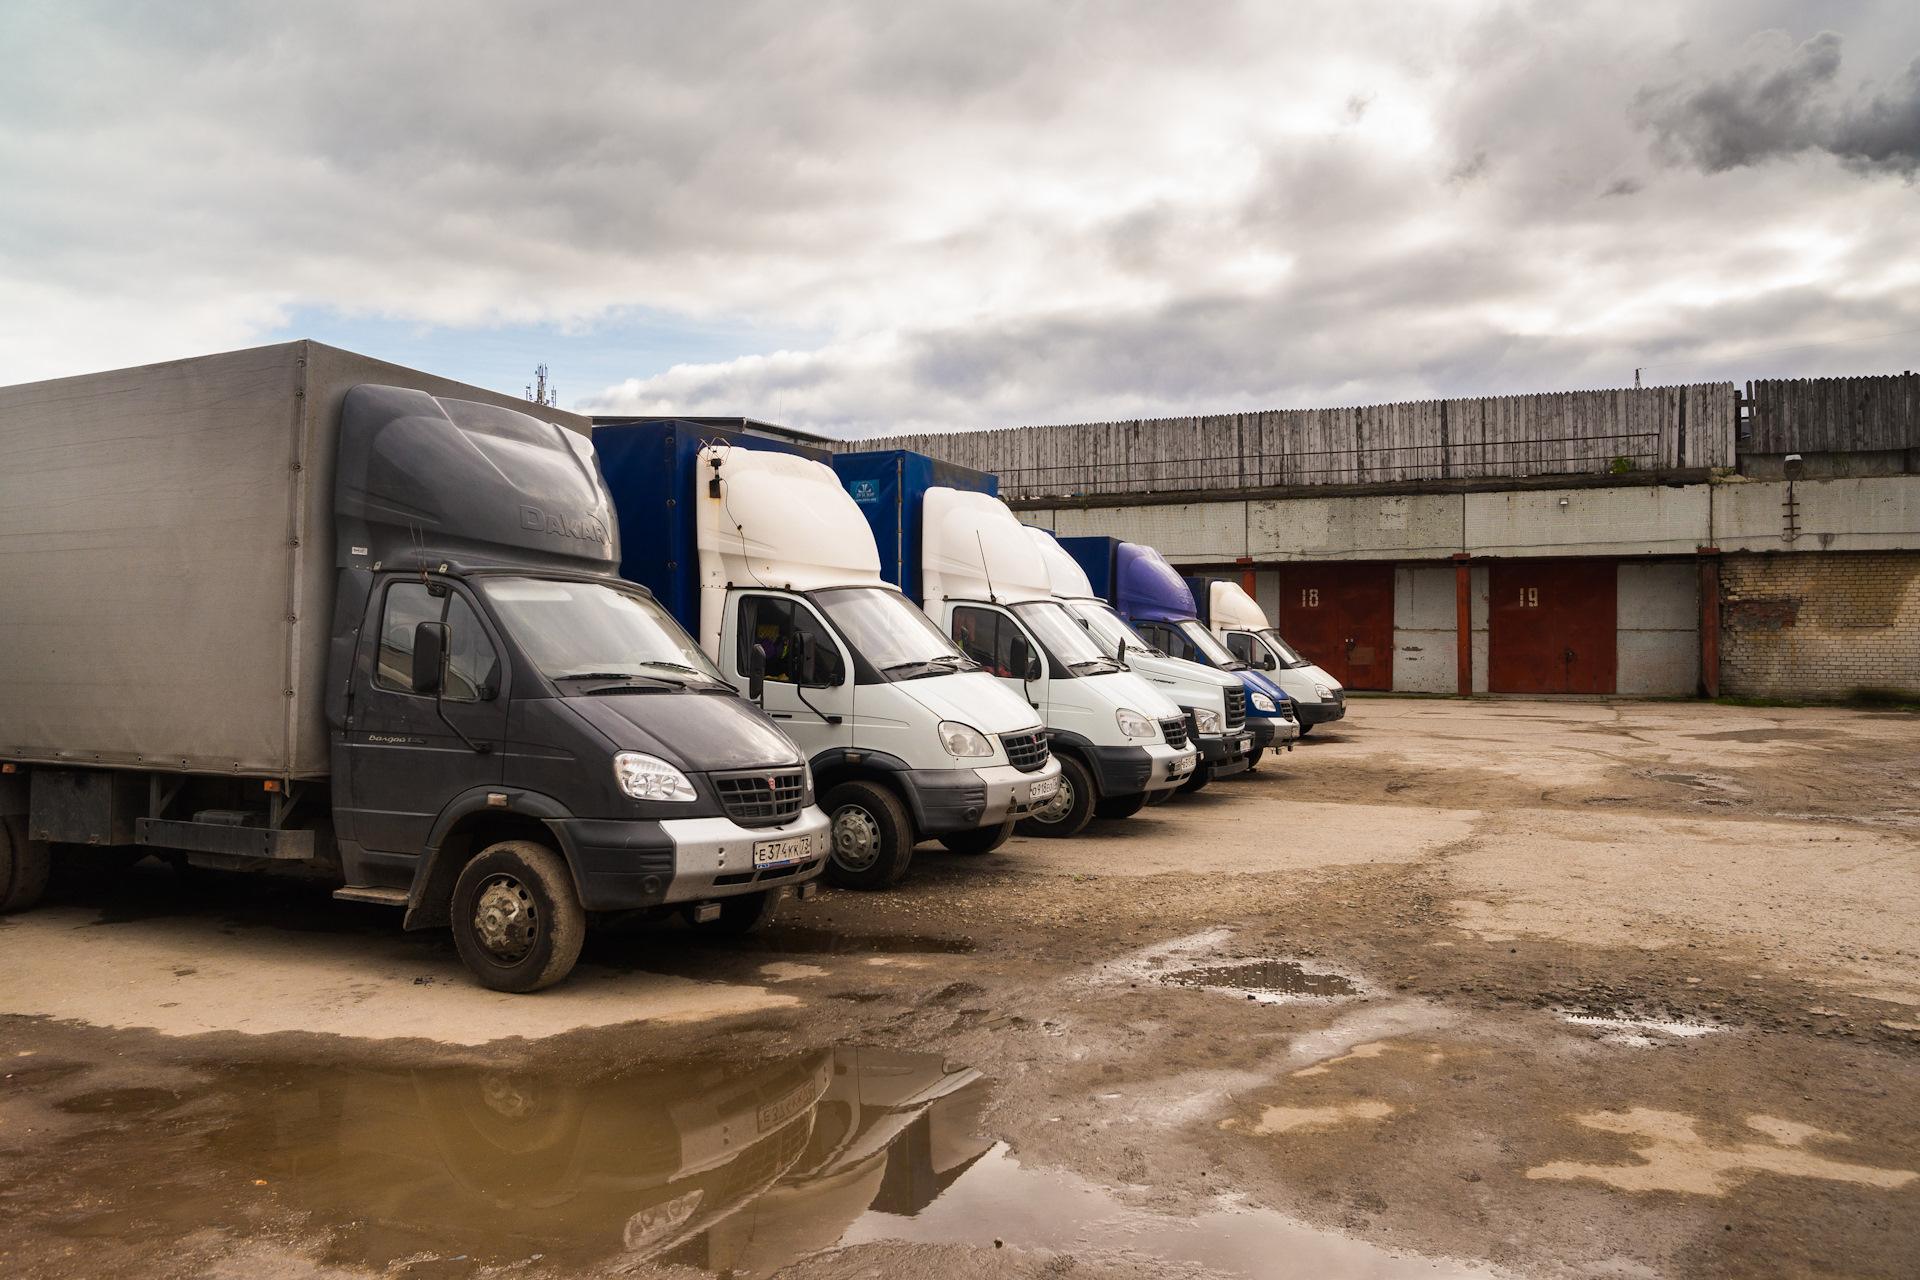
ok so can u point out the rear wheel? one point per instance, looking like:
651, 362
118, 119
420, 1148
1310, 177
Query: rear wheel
516, 918
23, 865
1120, 806
980, 839
1071, 808
746, 913
872, 836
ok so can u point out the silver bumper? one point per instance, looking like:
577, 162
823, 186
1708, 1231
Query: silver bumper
1010, 793
713, 857
1171, 766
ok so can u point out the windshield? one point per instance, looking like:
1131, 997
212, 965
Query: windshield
890, 633
1064, 638
1289, 657
1108, 628
583, 629
1208, 643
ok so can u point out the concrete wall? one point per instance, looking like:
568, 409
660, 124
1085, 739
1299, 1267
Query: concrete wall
1658, 629
1820, 625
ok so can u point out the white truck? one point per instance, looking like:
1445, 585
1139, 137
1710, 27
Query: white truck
906, 738
1119, 740
1242, 625
1213, 701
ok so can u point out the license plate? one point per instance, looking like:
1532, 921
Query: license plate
781, 1110
1043, 788
778, 853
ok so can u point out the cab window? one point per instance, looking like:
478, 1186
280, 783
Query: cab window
1248, 651
987, 637
472, 665
1169, 640
778, 628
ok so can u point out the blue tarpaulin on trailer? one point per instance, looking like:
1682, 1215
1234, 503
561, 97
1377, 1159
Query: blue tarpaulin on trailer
890, 487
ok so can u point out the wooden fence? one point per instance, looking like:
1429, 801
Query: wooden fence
1565, 433
1834, 415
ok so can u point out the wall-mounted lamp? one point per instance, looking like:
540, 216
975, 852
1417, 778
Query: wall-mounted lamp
1792, 465
1563, 502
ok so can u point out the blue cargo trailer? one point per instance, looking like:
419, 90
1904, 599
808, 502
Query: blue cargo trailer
890, 485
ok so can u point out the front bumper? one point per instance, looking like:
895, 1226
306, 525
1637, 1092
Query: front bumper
623, 865
1322, 712
1226, 754
1272, 731
1127, 771
948, 800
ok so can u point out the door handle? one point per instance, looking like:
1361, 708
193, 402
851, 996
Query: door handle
1571, 655
781, 715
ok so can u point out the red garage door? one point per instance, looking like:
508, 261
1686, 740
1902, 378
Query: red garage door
1551, 626
1341, 617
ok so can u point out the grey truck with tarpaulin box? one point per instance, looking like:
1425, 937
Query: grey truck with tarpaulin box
293, 609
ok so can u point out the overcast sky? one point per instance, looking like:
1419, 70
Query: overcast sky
870, 217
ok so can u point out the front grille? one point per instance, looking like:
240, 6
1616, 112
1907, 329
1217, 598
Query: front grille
1236, 708
1026, 752
1175, 731
763, 798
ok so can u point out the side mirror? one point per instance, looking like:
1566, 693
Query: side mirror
809, 657
429, 655
1020, 657
756, 674
1121, 656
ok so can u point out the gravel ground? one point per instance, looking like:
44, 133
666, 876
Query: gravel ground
1542, 988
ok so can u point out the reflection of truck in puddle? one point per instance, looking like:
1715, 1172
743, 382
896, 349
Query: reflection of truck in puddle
736, 1171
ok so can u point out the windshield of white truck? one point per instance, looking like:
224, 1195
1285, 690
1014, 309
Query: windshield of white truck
1108, 628
1064, 638
586, 631
894, 637
1208, 643
1288, 655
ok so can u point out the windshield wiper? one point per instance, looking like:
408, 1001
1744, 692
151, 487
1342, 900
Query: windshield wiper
654, 685
675, 666
932, 666
1106, 664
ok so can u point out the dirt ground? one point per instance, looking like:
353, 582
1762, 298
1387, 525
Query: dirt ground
1581, 988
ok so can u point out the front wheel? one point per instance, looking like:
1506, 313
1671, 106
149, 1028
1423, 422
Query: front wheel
1161, 797
1253, 757
1202, 775
872, 836
980, 839
24, 865
517, 921
1120, 806
1071, 808
1305, 728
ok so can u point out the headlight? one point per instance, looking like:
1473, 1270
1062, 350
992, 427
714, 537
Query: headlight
1261, 702
964, 740
1323, 693
647, 777
1135, 725
651, 1226
1206, 721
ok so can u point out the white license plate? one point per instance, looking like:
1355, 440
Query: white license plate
1043, 788
778, 853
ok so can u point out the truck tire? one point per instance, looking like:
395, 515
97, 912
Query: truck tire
1253, 758
516, 918
23, 865
1161, 797
872, 836
1202, 775
1305, 728
740, 915
1120, 806
1069, 812
980, 839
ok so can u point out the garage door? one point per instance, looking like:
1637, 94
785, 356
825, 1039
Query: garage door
1341, 617
1551, 627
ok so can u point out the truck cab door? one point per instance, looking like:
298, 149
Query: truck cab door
405, 762
783, 629
987, 636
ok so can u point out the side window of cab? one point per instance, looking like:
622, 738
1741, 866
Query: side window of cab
780, 628
1240, 644
473, 669
987, 637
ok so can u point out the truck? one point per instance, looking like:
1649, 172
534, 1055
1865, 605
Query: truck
1150, 594
768, 561
957, 551
1213, 702
292, 609
1242, 626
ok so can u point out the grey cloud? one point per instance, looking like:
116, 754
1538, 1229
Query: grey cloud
1782, 102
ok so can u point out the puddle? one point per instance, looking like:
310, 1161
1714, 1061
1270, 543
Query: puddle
996, 1198
799, 940
1264, 978
733, 1169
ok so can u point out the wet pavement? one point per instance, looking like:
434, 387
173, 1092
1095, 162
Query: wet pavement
1577, 1023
